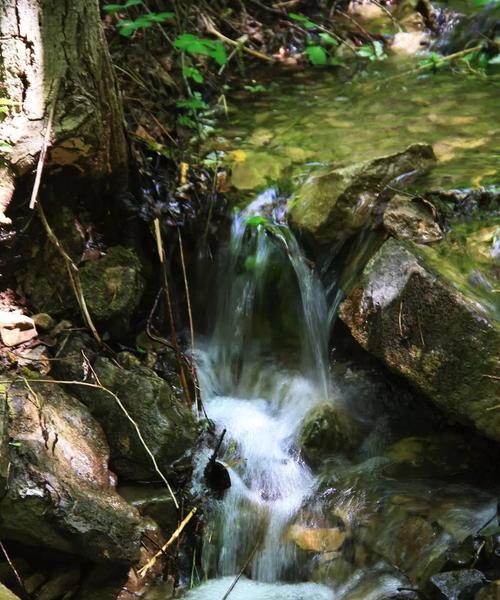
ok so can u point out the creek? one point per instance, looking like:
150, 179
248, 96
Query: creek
401, 497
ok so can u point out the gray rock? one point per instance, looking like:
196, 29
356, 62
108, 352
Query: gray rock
409, 219
429, 332
59, 492
166, 423
333, 205
455, 585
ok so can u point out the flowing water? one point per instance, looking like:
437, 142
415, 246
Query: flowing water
265, 366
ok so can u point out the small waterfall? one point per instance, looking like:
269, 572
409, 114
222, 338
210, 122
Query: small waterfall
268, 297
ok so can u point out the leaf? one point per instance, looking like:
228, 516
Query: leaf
219, 53
336, 61
187, 42
112, 8
308, 24
328, 39
379, 49
160, 17
256, 221
192, 73
186, 121
316, 55
365, 52
495, 60
5, 146
195, 102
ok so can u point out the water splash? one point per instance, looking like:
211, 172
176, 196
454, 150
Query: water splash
268, 293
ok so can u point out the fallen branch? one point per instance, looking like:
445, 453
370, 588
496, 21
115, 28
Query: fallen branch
143, 571
45, 145
209, 25
242, 570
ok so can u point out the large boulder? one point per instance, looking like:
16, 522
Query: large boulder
334, 204
427, 330
167, 425
59, 491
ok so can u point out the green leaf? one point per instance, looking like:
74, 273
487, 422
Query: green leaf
195, 102
336, 61
219, 53
192, 73
256, 221
328, 39
160, 17
187, 42
308, 24
495, 60
365, 52
186, 121
112, 8
316, 55
379, 49
5, 146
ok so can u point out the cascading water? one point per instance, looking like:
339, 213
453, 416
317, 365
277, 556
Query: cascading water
269, 296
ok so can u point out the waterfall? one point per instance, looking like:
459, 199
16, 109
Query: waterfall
268, 296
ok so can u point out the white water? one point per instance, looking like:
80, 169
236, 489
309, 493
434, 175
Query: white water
261, 402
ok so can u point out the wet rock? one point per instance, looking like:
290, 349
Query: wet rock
59, 494
489, 592
58, 585
316, 539
411, 219
327, 429
429, 332
6, 594
166, 423
113, 285
455, 585
471, 30
333, 205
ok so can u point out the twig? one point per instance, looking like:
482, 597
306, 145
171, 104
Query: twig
11, 565
73, 274
166, 289
99, 386
190, 317
143, 571
211, 29
45, 145
395, 23
242, 570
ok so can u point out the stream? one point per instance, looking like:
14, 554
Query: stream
397, 495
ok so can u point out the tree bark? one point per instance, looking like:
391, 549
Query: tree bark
54, 62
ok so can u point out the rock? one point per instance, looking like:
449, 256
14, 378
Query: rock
6, 594
57, 586
471, 30
316, 539
327, 429
410, 219
423, 328
409, 43
44, 321
16, 328
167, 425
154, 502
333, 205
112, 285
489, 592
59, 494
455, 585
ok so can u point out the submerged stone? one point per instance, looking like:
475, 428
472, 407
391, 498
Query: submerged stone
455, 585
426, 330
333, 205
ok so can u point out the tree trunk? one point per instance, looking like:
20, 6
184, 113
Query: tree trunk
59, 91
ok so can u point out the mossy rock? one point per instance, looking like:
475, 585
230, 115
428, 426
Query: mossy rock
112, 285
326, 430
167, 424
334, 204
423, 328
6, 594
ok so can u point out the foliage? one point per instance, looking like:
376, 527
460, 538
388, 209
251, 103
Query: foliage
320, 47
192, 44
374, 51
